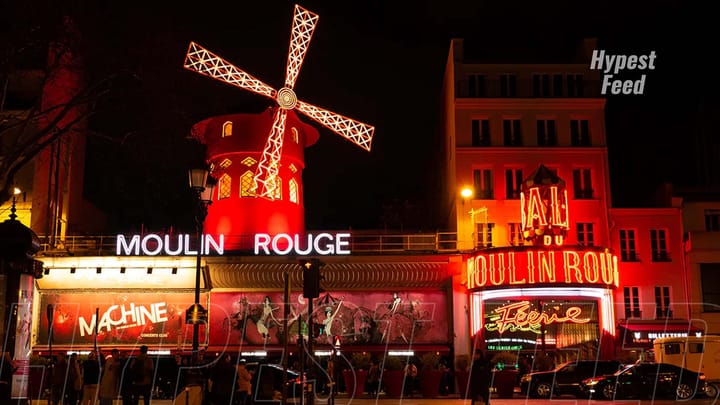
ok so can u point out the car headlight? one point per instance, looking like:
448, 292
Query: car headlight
590, 383
525, 378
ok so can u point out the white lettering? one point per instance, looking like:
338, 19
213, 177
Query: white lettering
218, 246
124, 248
341, 241
283, 244
122, 316
597, 59
261, 241
328, 248
154, 244
287, 239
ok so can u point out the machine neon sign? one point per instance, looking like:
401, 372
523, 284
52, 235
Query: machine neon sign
516, 317
154, 244
321, 244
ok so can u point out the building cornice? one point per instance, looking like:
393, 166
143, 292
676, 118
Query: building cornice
530, 103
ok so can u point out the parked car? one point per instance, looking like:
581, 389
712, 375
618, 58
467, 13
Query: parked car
647, 380
566, 378
267, 382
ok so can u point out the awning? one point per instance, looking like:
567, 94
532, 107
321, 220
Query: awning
660, 327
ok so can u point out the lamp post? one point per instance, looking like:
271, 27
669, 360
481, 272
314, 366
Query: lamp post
203, 186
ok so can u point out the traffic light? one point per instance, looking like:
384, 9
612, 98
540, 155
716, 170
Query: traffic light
311, 277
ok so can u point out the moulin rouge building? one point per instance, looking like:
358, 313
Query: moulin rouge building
535, 257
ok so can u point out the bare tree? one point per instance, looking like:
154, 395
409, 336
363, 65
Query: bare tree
41, 120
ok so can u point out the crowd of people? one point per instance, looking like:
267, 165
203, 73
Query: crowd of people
103, 379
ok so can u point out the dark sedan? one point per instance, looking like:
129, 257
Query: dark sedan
268, 382
647, 380
566, 378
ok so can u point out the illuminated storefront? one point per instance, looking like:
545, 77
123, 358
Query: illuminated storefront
545, 296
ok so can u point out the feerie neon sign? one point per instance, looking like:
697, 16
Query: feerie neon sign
517, 316
321, 244
542, 266
154, 244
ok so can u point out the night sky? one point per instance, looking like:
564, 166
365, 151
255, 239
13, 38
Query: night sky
380, 62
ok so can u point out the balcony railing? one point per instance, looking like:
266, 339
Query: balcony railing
438, 242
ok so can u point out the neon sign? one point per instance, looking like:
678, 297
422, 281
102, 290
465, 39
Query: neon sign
321, 244
121, 317
544, 215
153, 244
542, 266
517, 316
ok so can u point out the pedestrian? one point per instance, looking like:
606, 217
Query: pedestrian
109, 389
411, 373
244, 384
74, 383
480, 375
373, 378
90, 379
222, 378
7, 368
142, 377
62, 378
125, 374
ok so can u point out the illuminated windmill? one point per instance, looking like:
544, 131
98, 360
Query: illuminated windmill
205, 62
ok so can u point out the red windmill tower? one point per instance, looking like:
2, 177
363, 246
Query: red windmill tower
264, 202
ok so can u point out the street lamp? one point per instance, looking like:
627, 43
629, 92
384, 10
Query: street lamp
203, 186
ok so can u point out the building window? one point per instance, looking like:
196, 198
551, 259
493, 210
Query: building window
476, 86
516, 234
627, 245
512, 136
575, 85
631, 297
546, 135
224, 186
557, 85
513, 183
480, 133
247, 185
579, 133
248, 161
662, 302
658, 242
293, 191
508, 85
582, 184
292, 168
712, 220
585, 235
710, 283
278, 189
295, 136
483, 184
227, 129
484, 233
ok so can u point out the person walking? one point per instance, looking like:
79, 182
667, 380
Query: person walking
244, 384
109, 389
373, 378
74, 382
142, 377
90, 379
480, 375
62, 378
222, 378
411, 373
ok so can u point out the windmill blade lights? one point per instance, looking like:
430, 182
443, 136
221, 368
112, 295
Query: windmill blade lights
205, 62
